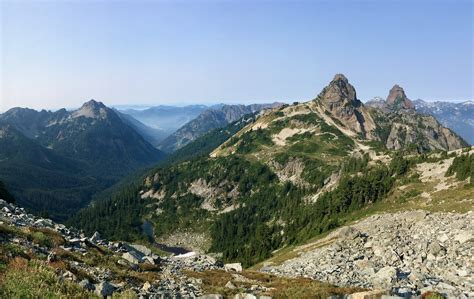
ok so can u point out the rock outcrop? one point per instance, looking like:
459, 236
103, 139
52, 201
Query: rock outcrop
397, 99
399, 126
458, 116
339, 99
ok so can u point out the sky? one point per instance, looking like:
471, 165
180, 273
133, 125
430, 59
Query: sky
62, 53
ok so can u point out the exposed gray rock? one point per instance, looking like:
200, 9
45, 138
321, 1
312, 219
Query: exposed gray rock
104, 289
405, 252
142, 249
174, 282
85, 284
132, 257
95, 237
385, 276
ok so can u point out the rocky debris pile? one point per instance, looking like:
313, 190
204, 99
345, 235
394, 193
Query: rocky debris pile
409, 253
173, 282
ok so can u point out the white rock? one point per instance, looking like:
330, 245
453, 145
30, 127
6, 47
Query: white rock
237, 267
131, 258
443, 238
464, 237
230, 285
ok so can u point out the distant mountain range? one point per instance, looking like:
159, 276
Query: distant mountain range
165, 119
55, 161
208, 120
457, 116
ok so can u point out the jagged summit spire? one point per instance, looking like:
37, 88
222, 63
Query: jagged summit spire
339, 90
398, 99
340, 77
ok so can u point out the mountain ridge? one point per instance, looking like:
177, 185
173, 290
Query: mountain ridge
458, 116
207, 121
90, 145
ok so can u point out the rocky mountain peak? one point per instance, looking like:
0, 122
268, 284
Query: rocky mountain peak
338, 77
94, 104
398, 99
91, 109
340, 100
339, 91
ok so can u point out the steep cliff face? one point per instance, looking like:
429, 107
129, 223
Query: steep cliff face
339, 100
458, 116
397, 99
400, 126
421, 132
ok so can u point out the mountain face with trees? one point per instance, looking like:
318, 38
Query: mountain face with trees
5, 194
399, 125
208, 120
56, 161
456, 116
290, 174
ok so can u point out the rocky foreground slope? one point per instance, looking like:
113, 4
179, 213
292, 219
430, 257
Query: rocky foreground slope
400, 255
410, 253
43, 259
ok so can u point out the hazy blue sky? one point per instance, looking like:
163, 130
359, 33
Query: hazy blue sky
60, 54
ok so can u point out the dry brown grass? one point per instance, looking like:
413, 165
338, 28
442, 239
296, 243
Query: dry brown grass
214, 281
45, 237
149, 267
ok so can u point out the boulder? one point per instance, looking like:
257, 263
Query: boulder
44, 223
385, 276
230, 285
236, 267
149, 260
87, 285
146, 286
434, 248
51, 257
141, 249
464, 237
348, 232
104, 289
95, 237
131, 257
